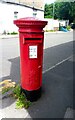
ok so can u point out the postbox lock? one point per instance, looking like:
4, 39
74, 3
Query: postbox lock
33, 51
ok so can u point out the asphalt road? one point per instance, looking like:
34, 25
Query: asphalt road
57, 88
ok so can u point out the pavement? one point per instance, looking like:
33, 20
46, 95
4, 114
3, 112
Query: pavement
57, 91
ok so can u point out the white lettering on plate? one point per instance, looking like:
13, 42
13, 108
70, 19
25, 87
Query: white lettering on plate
32, 51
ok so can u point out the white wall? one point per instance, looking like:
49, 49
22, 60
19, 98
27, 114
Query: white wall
62, 22
7, 16
54, 23
40, 15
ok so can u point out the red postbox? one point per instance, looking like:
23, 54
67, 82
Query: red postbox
31, 55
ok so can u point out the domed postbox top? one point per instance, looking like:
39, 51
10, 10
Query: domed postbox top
30, 21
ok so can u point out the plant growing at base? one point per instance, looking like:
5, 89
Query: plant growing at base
21, 98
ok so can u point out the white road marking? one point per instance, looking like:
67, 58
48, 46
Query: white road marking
57, 64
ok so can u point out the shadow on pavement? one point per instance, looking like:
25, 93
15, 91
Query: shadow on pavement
14, 76
57, 88
6, 102
14, 71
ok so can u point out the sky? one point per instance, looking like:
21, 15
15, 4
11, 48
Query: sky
48, 1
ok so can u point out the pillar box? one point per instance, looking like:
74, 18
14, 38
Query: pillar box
31, 36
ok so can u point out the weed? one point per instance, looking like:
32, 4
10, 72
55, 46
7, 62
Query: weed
16, 92
6, 90
21, 98
6, 85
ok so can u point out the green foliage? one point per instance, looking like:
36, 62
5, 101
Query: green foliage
48, 11
6, 90
21, 98
49, 30
17, 91
66, 11
13, 33
68, 27
62, 10
21, 102
8, 33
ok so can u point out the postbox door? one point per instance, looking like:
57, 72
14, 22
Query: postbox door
35, 63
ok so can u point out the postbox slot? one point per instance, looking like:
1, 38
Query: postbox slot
32, 38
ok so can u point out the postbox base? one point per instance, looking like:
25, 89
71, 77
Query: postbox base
32, 95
